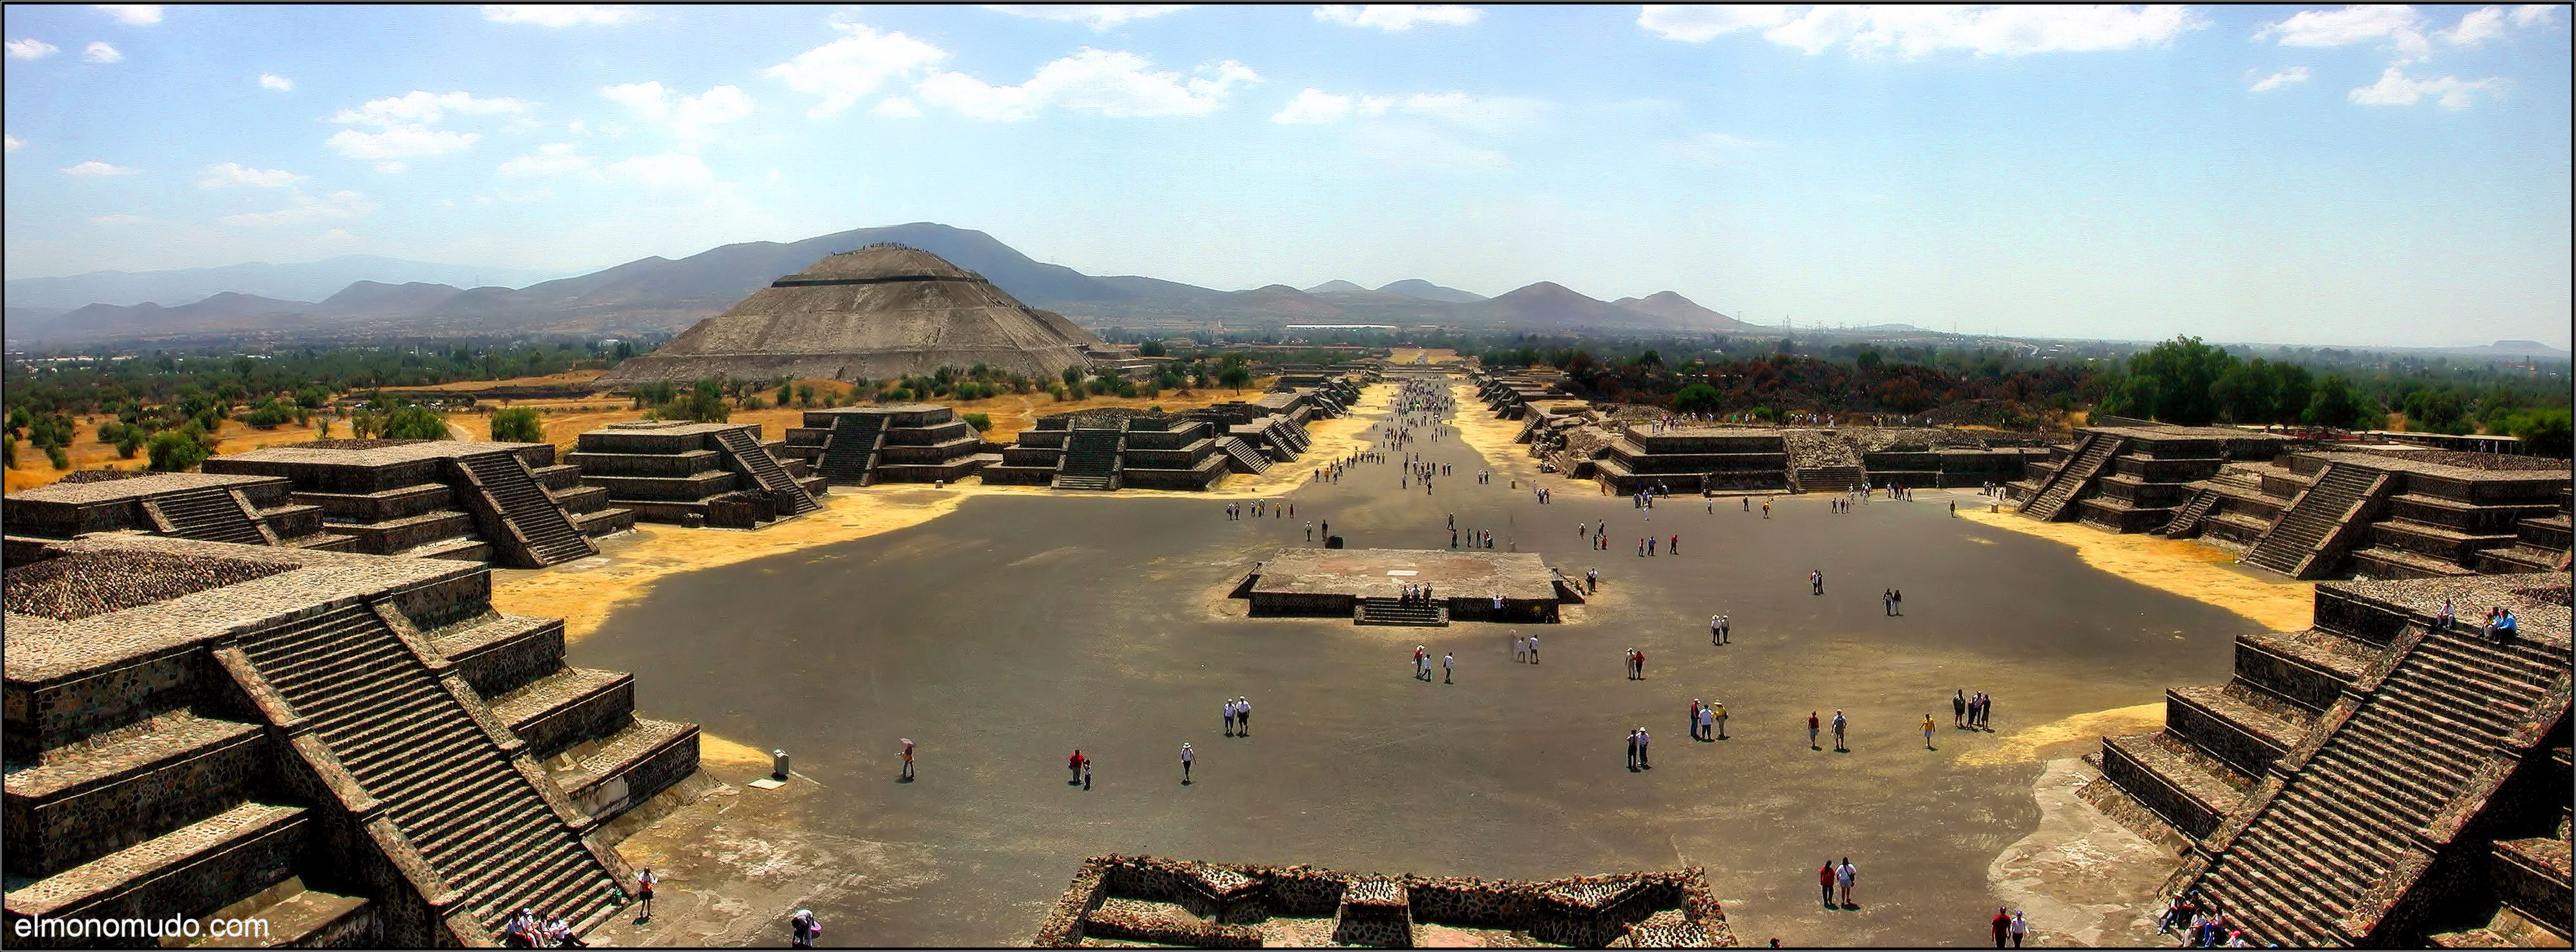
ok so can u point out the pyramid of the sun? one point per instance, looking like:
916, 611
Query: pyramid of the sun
877, 313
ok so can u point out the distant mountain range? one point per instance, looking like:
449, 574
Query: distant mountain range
310, 281
661, 295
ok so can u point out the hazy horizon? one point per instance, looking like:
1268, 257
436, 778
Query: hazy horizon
2328, 176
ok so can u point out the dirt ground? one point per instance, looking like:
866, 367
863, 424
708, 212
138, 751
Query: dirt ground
2182, 567
1002, 630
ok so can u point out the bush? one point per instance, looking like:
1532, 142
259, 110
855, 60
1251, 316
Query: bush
518, 425
2543, 432
56, 456
980, 421
414, 423
180, 450
1697, 398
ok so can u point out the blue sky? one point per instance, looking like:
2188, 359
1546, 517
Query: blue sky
2373, 175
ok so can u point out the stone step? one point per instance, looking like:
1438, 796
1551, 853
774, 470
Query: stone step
103, 881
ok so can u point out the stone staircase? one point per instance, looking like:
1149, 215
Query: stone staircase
1396, 611
514, 495
1829, 479
2540, 545
2187, 517
210, 515
2062, 486
1090, 459
2310, 528
442, 772
2352, 819
850, 453
1823, 462
754, 461
1244, 459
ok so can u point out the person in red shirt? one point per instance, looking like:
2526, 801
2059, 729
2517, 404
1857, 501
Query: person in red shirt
1812, 726
1825, 880
2003, 921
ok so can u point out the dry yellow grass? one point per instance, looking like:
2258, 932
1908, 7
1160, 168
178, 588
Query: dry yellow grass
2187, 569
2033, 744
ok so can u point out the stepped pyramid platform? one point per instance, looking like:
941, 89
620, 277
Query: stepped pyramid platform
2385, 515
2134, 478
1193, 450
355, 748
209, 507
1694, 459
1147, 900
2374, 780
1356, 583
697, 474
1512, 396
508, 503
896, 443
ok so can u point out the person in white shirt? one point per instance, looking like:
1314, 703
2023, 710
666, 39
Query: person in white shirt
1242, 717
1187, 757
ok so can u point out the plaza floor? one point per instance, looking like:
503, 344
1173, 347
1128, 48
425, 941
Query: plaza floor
1003, 636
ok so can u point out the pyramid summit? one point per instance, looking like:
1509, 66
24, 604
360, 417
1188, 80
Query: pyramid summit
878, 313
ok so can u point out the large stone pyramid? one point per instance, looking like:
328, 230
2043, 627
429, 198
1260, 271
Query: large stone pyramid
879, 312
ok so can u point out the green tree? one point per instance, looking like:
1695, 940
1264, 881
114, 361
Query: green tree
980, 421
1235, 376
2173, 382
2245, 393
1151, 348
180, 450
1072, 377
1698, 398
2544, 431
2336, 404
518, 425
413, 423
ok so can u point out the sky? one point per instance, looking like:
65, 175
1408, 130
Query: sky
2337, 175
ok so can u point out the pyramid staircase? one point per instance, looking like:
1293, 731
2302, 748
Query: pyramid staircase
210, 514
1243, 458
850, 454
442, 772
2187, 517
2304, 543
1090, 459
548, 535
2342, 834
1396, 611
2540, 545
753, 460
2058, 492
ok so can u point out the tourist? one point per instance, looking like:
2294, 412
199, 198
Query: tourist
1675, 548
1717, 717
1896, 598
1811, 731
644, 892
1928, 726
1187, 757
2002, 924
1766, 508
1845, 875
1887, 602
1838, 732
2020, 928
1693, 720
1086, 774
1533, 649
1816, 579
1632, 749
1310, 532
1713, 630
1725, 629
1229, 717
1644, 740
1448, 667
2447, 619
1825, 881
1959, 709
520, 932
559, 934
2505, 625
1986, 711
803, 929
1243, 717
1520, 649
907, 759
1073, 764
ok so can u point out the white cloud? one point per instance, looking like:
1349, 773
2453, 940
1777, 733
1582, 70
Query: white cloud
419, 106
897, 107
2451, 92
229, 174
1104, 82
340, 204
692, 119
2536, 15
116, 219
272, 81
131, 14
2294, 74
669, 170
1915, 31
97, 52
1714, 149
96, 169
400, 142
1399, 16
1481, 113
559, 14
29, 47
549, 159
2477, 26
1098, 16
14, 142
846, 69
2397, 24
1317, 107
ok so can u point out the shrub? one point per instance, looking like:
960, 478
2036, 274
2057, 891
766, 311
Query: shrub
980, 421
518, 425
56, 456
180, 450
414, 423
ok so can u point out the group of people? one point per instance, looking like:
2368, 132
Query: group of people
2202, 926
1708, 721
2500, 624
1255, 508
1721, 629
1238, 717
1422, 665
1637, 740
1814, 725
1525, 649
528, 930
1832, 876
2010, 925
1636, 664
1969, 712
1646, 545
1892, 601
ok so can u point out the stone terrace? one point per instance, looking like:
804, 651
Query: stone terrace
2134, 478
252, 510
901, 443
1126, 900
509, 503
697, 474
354, 748
1339, 582
2375, 780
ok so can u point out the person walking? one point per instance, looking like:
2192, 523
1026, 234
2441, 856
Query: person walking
1229, 717
1533, 649
1959, 709
1845, 875
1825, 881
1188, 757
907, 759
1243, 717
1811, 731
1073, 765
1896, 601
1086, 773
1725, 629
2020, 928
1632, 750
1928, 726
1644, 740
1520, 649
1693, 720
1717, 717
2002, 924
803, 929
1448, 667
1838, 732
644, 892
1886, 602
